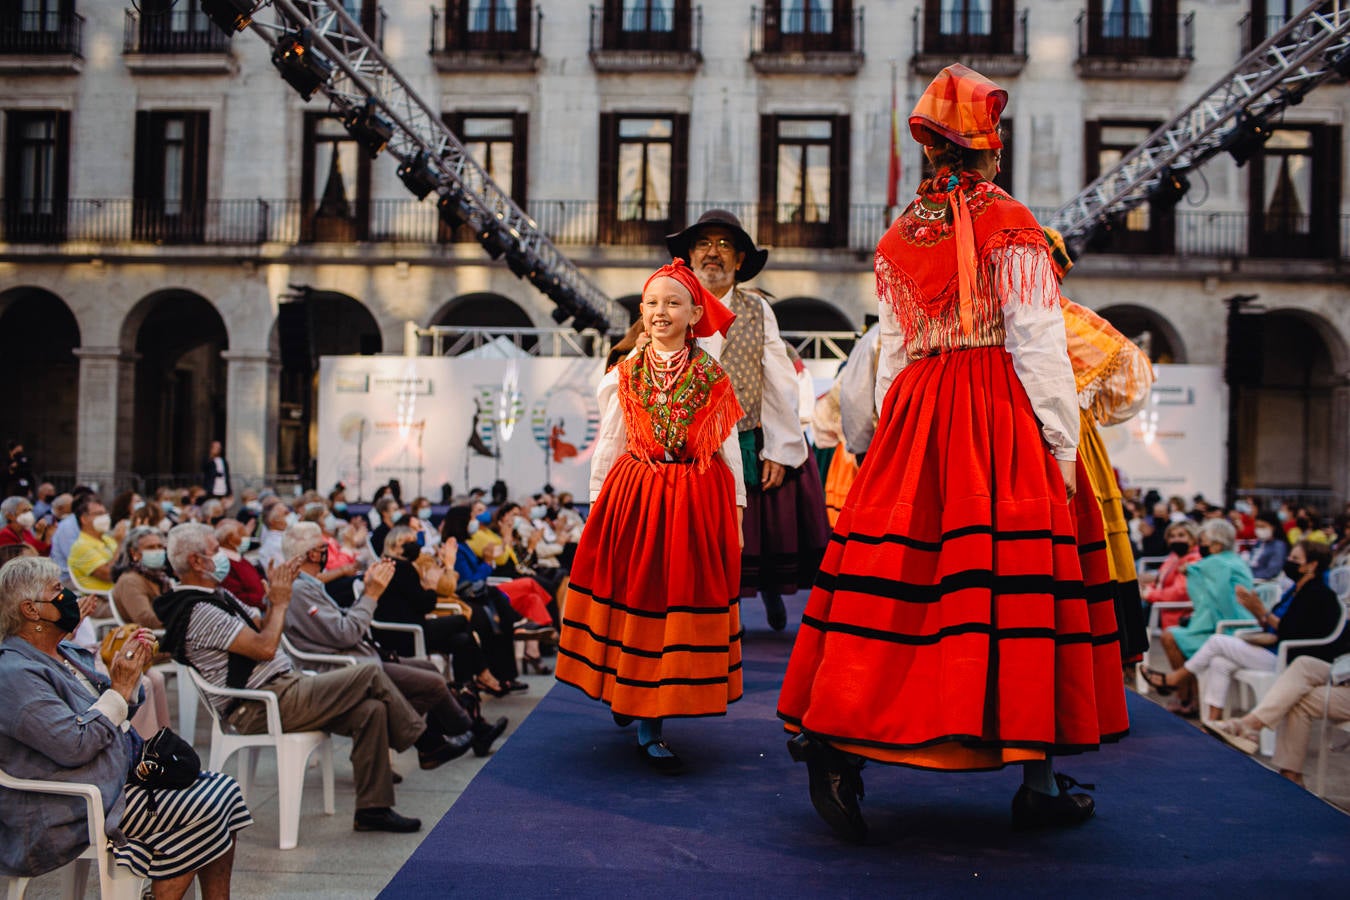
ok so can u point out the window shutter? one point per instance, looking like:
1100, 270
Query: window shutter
1327, 187
608, 184
839, 169
61, 177
679, 171
768, 178
1092, 151
197, 149
1163, 39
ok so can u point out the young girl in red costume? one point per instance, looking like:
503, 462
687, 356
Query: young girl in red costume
651, 625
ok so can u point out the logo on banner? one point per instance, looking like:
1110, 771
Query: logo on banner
500, 408
565, 422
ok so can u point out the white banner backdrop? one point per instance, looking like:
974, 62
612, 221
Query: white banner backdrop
1176, 444
415, 419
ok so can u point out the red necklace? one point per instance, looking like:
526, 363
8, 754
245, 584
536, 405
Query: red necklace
663, 373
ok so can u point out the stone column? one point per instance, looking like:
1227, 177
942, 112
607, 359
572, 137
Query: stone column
104, 420
1339, 416
250, 416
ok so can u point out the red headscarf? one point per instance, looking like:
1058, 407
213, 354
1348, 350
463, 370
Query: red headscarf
716, 317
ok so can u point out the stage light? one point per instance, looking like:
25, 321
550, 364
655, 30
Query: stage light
560, 315
545, 281
1246, 138
370, 129
1341, 63
228, 15
1102, 234
418, 176
497, 239
299, 65
1172, 186
454, 208
523, 264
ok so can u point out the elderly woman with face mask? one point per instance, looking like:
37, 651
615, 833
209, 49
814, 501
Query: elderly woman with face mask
22, 527
67, 722
141, 572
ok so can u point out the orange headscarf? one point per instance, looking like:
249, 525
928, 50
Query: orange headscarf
716, 316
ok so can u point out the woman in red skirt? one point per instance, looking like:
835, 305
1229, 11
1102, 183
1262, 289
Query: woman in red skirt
651, 621
963, 617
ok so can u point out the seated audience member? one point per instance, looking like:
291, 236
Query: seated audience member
123, 505
420, 510
411, 597
67, 529
91, 556
317, 624
244, 580
275, 522
1302, 695
22, 526
1308, 611
1168, 584
66, 722
14, 551
149, 515
142, 577
1267, 556
1211, 585
42, 500
386, 511
230, 645
1304, 528
496, 544
354, 540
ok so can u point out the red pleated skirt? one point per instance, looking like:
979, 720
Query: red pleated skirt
963, 618
651, 621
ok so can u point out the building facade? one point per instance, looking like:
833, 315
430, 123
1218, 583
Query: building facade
183, 236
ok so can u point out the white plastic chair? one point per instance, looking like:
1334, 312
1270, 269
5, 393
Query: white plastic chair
98, 624
1338, 579
1329, 732
300, 657
115, 882
293, 749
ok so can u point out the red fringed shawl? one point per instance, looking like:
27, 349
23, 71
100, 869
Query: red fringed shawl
693, 425
916, 261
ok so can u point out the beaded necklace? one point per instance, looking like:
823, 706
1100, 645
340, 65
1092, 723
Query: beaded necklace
663, 373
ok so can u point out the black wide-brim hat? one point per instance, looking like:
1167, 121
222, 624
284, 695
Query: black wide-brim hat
755, 258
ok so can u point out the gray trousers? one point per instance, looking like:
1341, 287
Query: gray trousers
357, 701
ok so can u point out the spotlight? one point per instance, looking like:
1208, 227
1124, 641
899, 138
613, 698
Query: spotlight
228, 15
1102, 234
299, 65
1246, 138
1172, 186
523, 265
1341, 63
545, 281
560, 315
589, 318
454, 208
418, 176
370, 129
497, 239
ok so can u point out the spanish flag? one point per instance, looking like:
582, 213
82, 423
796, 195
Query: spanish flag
893, 170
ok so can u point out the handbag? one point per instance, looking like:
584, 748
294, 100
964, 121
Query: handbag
116, 639
166, 762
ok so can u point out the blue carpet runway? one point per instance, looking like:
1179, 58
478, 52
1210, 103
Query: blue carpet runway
568, 809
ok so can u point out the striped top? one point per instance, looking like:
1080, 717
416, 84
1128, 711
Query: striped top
210, 632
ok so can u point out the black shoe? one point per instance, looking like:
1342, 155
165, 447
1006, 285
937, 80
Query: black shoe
398, 779
532, 631
1032, 809
666, 765
485, 735
383, 818
776, 611
514, 686
836, 786
621, 720
451, 748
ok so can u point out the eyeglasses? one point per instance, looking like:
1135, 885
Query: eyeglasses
56, 598
706, 244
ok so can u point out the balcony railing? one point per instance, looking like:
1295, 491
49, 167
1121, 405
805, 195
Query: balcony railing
508, 29
642, 37
48, 32
799, 26
178, 31
940, 32
1199, 234
1255, 29
1135, 35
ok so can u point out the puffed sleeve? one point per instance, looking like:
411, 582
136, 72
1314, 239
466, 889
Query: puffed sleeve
613, 438
1025, 283
857, 393
891, 356
784, 442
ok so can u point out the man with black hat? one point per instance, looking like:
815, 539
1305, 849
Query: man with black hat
785, 524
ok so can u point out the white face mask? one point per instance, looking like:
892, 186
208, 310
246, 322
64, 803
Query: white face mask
291, 519
538, 512
153, 559
1264, 534
473, 526
244, 544
26, 519
102, 523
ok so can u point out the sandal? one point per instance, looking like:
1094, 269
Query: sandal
1156, 680
536, 665
482, 685
667, 765
1235, 734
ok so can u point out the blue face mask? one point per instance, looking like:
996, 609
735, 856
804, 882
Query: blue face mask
339, 507
473, 526
222, 566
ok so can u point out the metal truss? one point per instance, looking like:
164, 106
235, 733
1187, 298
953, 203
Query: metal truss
359, 82
1311, 48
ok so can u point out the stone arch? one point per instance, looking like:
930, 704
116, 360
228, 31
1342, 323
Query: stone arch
40, 404
314, 324
1148, 328
1287, 436
485, 309
803, 315
177, 338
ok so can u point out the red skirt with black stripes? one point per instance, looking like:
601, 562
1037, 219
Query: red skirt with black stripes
963, 618
651, 619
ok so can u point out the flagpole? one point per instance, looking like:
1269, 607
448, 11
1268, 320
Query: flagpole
893, 163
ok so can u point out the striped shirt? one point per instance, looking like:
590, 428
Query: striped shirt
210, 632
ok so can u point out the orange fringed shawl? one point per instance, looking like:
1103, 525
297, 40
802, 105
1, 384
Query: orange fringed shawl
1112, 374
695, 423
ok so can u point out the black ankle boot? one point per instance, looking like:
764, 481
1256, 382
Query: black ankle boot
836, 786
1032, 809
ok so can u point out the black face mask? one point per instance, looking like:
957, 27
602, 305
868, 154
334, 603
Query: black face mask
411, 551
1204, 549
1292, 568
69, 608
1180, 548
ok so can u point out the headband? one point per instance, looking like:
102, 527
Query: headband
716, 316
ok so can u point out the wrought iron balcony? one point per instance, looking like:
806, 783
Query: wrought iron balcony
1255, 30
175, 32
1135, 45
802, 38
646, 37
486, 39
993, 42
40, 43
